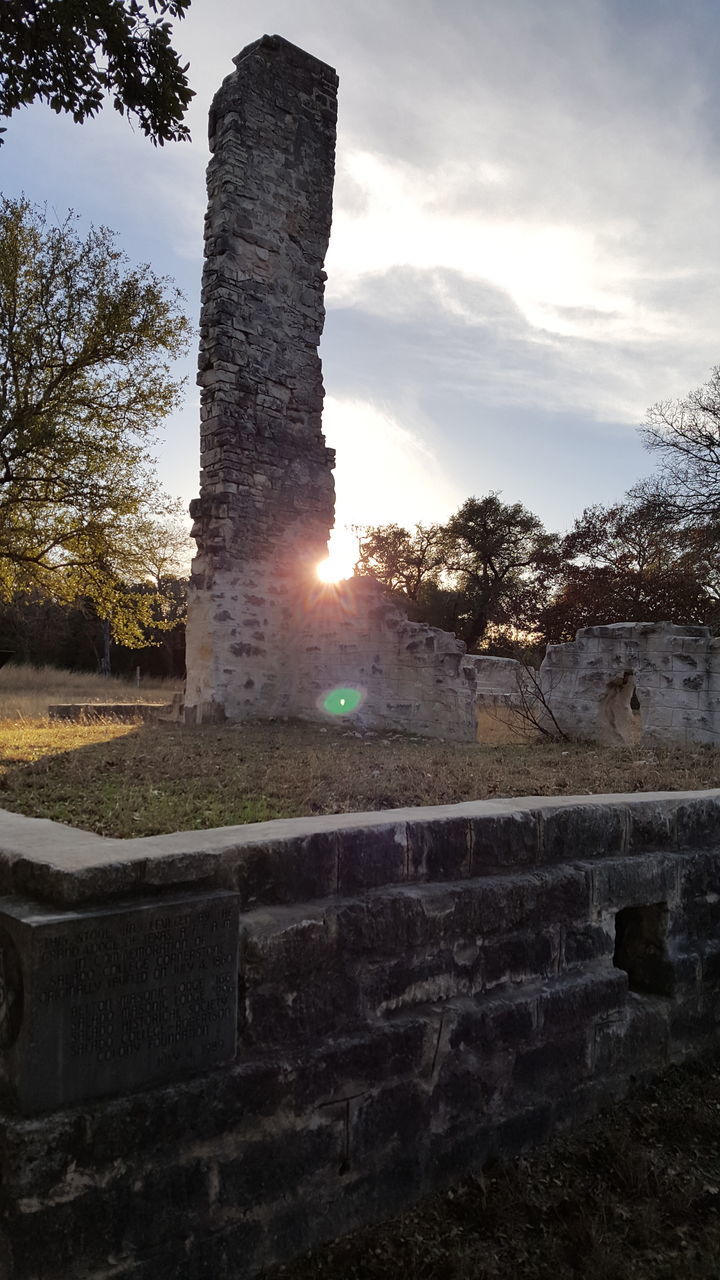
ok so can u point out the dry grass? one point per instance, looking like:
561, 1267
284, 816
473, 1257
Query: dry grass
635, 1193
125, 780
26, 692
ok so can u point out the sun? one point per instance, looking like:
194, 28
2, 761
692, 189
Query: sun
341, 557
334, 569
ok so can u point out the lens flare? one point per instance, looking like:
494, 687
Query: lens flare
332, 570
340, 702
341, 557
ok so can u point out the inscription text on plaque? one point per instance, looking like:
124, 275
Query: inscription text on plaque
121, 997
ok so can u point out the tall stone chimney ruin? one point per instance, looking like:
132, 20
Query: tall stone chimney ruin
264, 637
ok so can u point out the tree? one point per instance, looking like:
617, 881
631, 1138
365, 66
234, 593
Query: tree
502, 560
489, 567
71, 54
401, 561
86, 344
633, 561
685, 434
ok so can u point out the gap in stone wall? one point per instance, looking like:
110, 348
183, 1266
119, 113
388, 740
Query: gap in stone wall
641, 948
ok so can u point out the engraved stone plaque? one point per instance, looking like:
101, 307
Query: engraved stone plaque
104, 1001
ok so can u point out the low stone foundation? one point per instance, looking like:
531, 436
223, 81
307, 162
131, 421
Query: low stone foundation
109, 710
220, 1048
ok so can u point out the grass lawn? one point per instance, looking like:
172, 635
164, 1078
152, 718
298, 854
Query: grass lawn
132, 780
634, 1195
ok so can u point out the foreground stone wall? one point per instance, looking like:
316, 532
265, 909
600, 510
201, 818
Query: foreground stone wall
219, 1048
636, 682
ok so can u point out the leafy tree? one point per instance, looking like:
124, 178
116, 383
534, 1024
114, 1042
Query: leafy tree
488, 568
401, 561
685, 435
634, 561
86, 344
71, 54
502, 561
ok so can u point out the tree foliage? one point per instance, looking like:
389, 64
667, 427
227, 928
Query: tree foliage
500, 557
86, 347
636, 560
485, 570
502, 583
72, 54
403, 562
685, 437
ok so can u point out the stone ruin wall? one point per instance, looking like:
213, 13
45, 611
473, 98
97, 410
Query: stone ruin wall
264, 637
636, 682
220, 1048
266, 494
412, 677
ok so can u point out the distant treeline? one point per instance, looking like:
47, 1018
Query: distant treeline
38, 630
497, 578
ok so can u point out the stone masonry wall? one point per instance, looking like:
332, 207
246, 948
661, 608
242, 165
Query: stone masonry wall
636, 682
409, 676
266, 491
264, 638
417, 991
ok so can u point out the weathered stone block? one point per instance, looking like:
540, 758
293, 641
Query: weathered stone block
584, 943
352, 1065
382, 924
510, 840
372, 857
572, 1001
651, 826
313, 1006
699, 873
291, 871
403, 984
585, 831
267, 1170
484, 1024
497, 904
622, 882
439, 850
698, 824
393, 1116
518, 956
552, 1068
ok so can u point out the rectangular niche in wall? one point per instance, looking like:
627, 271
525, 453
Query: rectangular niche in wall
641, 948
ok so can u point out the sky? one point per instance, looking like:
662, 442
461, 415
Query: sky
525, 251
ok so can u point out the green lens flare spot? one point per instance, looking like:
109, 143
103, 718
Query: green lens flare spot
340, 702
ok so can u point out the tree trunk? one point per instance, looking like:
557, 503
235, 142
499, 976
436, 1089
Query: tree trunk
105, 659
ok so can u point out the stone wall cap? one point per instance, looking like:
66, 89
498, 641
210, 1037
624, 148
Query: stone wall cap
290, 52
51, 862
622, 630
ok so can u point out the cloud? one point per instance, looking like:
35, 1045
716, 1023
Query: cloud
526, 246
385, 471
